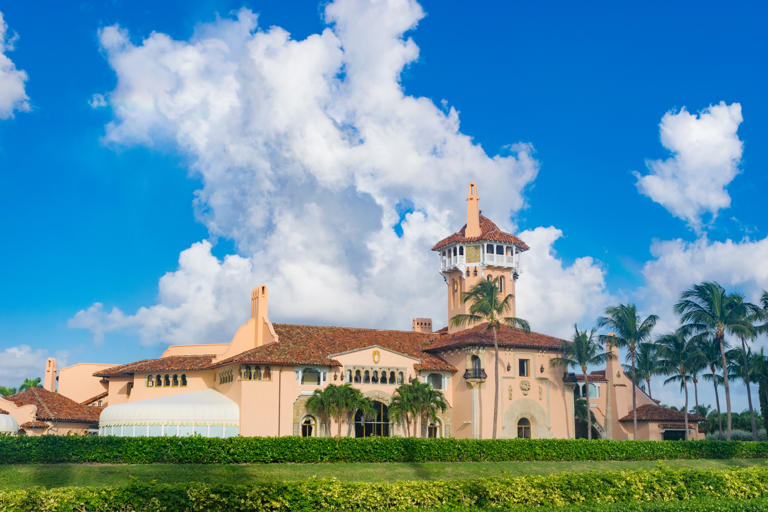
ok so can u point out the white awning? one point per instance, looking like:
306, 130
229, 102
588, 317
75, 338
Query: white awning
8, 425
204, 408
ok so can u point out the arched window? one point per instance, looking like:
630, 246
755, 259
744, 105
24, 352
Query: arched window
435, 380
309, 427
474, 273
167, 380
375, 377
175, 380
501, 284
150, 381
461, 250
434, 429
489, 277
266, 374
349, 376
244, 373
357, 377
467, 271
524, 428
158, 381
454, 251
256, 374
400, 378
391, 377
310, 376
183, 379
366, 377
476, 364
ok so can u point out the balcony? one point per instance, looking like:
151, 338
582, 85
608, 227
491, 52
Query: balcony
475, 374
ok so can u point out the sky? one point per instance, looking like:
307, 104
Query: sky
160, 159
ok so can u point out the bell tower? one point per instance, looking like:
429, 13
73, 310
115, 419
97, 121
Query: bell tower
479, 250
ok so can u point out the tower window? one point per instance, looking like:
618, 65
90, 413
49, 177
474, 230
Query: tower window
523, 366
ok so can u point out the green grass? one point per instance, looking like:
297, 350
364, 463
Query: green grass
60, 475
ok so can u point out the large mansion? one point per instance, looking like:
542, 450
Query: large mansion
258, 384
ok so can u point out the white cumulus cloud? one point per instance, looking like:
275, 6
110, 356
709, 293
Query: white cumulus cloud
706, 152
307, 150
12, 94
22, 362
552, 295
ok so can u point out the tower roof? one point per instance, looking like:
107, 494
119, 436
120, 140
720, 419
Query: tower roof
488, 232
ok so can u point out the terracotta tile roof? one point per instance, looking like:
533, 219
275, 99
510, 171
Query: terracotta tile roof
55, 407
34, 424
482, 336
94, 398
305, 344
164, 364
488, 231
596, 376
652, 412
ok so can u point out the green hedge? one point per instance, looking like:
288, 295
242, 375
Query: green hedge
563, 489
197, 450
697, 505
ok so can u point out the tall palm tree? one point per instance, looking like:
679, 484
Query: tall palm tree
354, 401
709, 348
697, 363
739, 369
751, 315
759, 365
706, 307
30, 383
676, 351
7, 391
629, 331
583, 351
647, 365
487, 305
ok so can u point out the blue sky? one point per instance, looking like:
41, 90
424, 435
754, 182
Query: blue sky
94, 214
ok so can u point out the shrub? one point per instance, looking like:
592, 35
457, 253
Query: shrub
621, 489
739, 435
199, 450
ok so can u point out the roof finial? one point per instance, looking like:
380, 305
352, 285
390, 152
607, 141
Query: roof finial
473, 212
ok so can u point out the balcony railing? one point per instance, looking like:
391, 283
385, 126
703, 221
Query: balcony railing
475, 374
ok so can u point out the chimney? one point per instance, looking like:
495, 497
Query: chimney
423, 325
473, 212
50, 375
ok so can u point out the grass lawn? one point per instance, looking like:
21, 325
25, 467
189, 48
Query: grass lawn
57, 475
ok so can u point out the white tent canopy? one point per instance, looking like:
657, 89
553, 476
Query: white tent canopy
206, 412
8, 425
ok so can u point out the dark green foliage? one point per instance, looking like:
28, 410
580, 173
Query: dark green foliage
199, 450
624, 490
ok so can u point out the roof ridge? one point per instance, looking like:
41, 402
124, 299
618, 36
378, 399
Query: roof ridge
42, 403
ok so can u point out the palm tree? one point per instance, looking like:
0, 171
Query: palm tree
30, 383
629, 331
750, 314
708, 308
404, 407
759, 366
675, 351
697, 363
429, 401
487, 305
7, 391
710, 351
323, 404
583, 351
702, 410
739, 369
647, 365
353, 401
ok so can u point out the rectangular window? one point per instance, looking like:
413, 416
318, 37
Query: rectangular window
594, 391
523, 366
499, 249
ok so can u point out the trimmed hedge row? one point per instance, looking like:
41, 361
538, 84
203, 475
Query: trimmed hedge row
198, 450
621, 487
698, 505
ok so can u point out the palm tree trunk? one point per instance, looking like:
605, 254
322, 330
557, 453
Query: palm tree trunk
749, 391
726, 385
589, 413
338, 427
350, 421
648, 384
495, 383
634, 394
685, 386
696, 392
717, 403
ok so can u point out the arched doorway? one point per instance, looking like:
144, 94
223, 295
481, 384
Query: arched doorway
309, 427
378, 426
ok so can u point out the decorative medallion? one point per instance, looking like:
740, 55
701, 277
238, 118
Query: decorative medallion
376, 357
525, 387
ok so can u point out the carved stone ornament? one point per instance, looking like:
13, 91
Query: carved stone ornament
376, 357
525, 387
